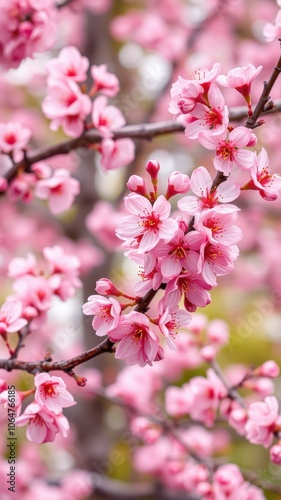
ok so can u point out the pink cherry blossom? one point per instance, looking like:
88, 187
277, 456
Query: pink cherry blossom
201, 184
268, 369
68, 65
144, 429
61, 262
171, 319
211, 117
106, 311
136, 184
116, 154
229, 152
77, 484
275, 454
21, 187
216, 260
5, 400
262, 418
67, 107
104, 81
273, 31
268, 185
51, 393
13, 137
148, 224
178, 400
43, 425
207, 394
228, 478
60, 190
240, 79
193, 288
184, 94
33, 291
218, 225
106, 118
177, 183
137, 342
21, 266
25, 28
11, 319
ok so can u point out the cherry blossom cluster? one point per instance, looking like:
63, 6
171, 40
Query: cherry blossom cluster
26, 27
34, 287
68, 105
183, 254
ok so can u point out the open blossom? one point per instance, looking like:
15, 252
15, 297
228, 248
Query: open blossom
268, 185
218, 225
43, 425
60, 190
171, 319
192, 287
273, 31
66, 106
207, 197
229, 151
106, 311
105, 82
116, 154
25, 28
11, 319
262, 419
216, 260
184, 94
51, 393
148, 224
106, 118
137, 342
21, 266
13, 137
68, 65
212, 118
207, 393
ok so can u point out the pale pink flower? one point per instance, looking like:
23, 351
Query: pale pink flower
193, 288
106, 311
104, 81
26, 27
237, 419
11, 319
116, 154
137, 342
43, 425
60, 190
275, 454
178, 400
262, 419
268, 369
33, 291
177, 183
68, 65
207, 393
184, 94
216, 260
228, 478
51, 393
21, 187
218, 225
211, 117
5, 401
171, 319
145, 429
273, 31
13, 137
229, 152
240, 79
217, 332
61, 262
268, 185
206, 197
21, 266
77, 484
148, 224
106, 118
67, 107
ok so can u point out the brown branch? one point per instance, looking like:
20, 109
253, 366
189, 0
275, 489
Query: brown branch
65, 3
232, 393
264, 98
142, 131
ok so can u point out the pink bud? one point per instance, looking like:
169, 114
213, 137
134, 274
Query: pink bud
136, 184
237, 420
262, 386
105, 287
177, 183
152, 169
3, 184
252, 141
268, 369
208, 353
275, 454
42, 170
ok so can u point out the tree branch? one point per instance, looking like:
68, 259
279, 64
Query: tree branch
64, 3
142, 131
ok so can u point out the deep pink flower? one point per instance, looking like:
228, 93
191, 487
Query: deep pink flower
218, 225
66, 106
106, 118
229, 152
11, 319
51, 393
201, 184
116, 154
43, 425
68, 65
105, 82
211, 117
106, 311
240, 79
216, 260
148, 224
268, 185
262, 418
60, 190
192, 287
137, 342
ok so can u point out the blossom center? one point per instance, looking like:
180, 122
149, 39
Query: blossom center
226, 151
151, 222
